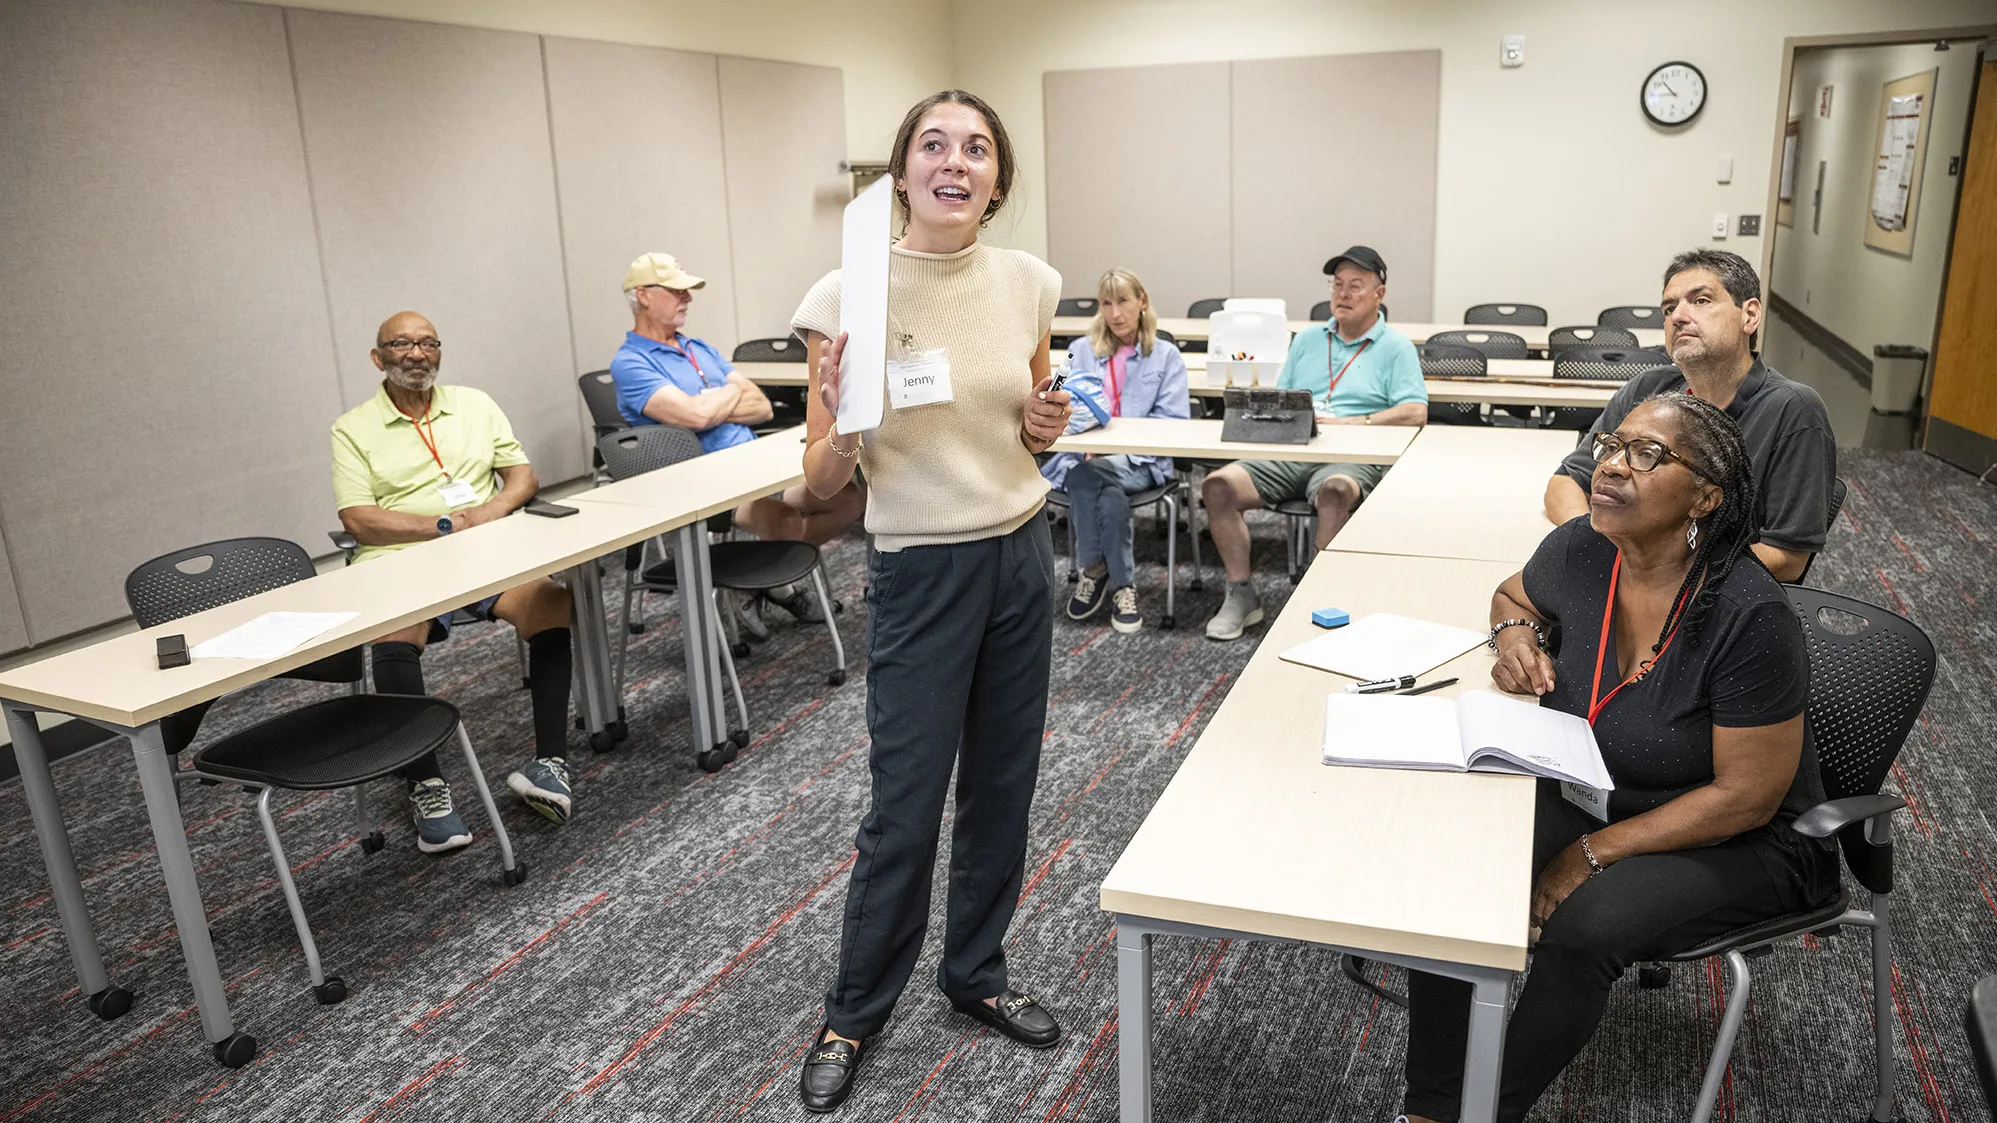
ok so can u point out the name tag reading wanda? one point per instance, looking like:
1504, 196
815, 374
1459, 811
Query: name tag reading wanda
1594, 801
457, 493
922, 379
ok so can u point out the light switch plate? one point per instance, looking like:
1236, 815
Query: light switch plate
1719, 224
1750, 226
1726, 169
1511, 51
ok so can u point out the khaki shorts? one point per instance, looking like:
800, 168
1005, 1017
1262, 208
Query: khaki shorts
1279, 480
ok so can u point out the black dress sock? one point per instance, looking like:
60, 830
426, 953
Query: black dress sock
550, 667
398, 669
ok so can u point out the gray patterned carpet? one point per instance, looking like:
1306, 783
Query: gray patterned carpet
666, 957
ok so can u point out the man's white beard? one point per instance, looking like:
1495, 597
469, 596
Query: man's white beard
414, 383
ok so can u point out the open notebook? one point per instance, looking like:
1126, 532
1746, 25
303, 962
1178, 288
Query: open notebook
1479, 731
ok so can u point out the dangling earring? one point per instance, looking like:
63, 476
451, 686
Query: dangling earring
1692, 535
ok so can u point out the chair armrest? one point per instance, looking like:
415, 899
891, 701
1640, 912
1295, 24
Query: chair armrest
1830, 817
343, 540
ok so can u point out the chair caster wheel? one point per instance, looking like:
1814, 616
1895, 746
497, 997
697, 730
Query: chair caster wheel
1167, 622
373, 843
739, 738
110, 1003
838, 606
579, 722
618, 730
236, 1050
526, 683
637, 629
739, 649
602, 740
330, 992
836, 678
718, 757
1653, 978
516, 875
1074, 577
1197, 585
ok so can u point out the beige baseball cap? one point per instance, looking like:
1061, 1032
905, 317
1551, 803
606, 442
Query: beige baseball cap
659, 269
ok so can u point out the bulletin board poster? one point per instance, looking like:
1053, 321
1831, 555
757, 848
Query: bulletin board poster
1792, 141
1905, 104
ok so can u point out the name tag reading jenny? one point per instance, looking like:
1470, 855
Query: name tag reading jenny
922, 379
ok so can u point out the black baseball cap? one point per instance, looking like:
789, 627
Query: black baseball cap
1362, 256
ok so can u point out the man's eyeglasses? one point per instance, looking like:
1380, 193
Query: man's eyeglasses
1641, 453
404, 346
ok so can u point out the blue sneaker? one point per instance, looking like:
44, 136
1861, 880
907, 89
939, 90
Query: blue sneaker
438, 825
1090, 592
544, 783
1124, 617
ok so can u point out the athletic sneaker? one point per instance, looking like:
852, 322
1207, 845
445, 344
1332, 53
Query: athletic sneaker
1088, 597
1123, 617
799, 602
750, 616
438, 825
1241, 609
544, 783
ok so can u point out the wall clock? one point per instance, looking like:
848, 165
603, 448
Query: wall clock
1674, 93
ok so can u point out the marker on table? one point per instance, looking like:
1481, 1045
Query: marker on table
1424, 688
1381, 686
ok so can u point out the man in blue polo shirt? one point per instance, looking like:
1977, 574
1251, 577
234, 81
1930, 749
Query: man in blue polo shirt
1359, 372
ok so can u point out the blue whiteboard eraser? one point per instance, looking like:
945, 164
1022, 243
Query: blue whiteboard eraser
1330, 618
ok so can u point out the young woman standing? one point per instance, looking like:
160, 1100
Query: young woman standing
962, 585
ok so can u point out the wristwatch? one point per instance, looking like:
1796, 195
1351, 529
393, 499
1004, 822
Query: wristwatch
443, 526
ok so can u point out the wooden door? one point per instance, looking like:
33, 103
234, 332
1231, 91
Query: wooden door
1962, 412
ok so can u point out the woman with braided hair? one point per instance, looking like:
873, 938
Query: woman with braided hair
1649, 617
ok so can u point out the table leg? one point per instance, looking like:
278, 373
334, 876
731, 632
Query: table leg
602, 711
105, 1000
1133, 995
1483, 1058
184, 892
703, 656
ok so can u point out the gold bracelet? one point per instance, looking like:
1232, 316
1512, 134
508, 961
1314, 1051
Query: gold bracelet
858, 444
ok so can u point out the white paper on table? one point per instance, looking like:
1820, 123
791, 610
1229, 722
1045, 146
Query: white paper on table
270, 635
1384, 645
863, 308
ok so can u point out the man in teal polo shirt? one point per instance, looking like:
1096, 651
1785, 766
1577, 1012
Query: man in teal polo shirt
1359, 372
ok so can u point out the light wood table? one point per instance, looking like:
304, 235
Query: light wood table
1165, 436
1462, 492
1255, 838
1526, 382
117, 685
1535, 337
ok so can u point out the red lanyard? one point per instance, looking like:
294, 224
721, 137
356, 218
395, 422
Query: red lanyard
1602, 647
1116, 369
687, 354
429, 439
1341, 370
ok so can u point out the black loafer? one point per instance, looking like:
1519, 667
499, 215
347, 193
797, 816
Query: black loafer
827, 1078
1016, 1016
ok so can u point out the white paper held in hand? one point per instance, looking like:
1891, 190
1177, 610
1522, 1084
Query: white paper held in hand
863, 308
270, 635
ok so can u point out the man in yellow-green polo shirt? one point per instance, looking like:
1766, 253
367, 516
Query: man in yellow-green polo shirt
416, 462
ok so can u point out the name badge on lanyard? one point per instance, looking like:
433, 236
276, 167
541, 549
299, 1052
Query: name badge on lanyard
455, 493
921, 379
1595, 801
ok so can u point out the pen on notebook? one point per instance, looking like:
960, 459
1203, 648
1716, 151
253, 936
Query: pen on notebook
1381, 686
1424, 688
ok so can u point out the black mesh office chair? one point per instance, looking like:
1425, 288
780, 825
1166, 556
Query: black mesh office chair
599, 393
1598, 364
1870, 671
1452, 360
1980, 1022
1321, 311
340, 742
1586, 335
1202, 309
1524, 315
1490, 344
1168, 337
1832, 506
787, 403
1076, 306
1632, 316
745, 566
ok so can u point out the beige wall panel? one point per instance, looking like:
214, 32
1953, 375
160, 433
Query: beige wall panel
783, 132
1313, 174
13, 629
638, 164
434, 185
167, 372
1137, 178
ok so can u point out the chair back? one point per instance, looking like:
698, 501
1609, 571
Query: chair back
1076, 306
1452, 360
1528, 315
789, 349
633, 452
1836, 504
1490, 344
1607, 364
1321, 311
599, 393
1632, 316
1168, 337
202, 577
1870, 671
1201, 309
1586, 335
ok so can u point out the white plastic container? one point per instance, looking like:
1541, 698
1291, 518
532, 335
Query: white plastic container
1897, 371
1246, 347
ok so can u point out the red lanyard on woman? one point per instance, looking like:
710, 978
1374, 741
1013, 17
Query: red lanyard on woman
429, 439
1328, 391
1116, 369
1602, 647
687, 354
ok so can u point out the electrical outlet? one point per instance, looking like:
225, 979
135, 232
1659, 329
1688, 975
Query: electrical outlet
1511, 51
1719, 224
1750, 226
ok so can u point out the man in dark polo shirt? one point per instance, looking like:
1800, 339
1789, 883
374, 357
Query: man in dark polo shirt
1712, 310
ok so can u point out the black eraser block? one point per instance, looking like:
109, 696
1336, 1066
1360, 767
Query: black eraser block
172, 651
